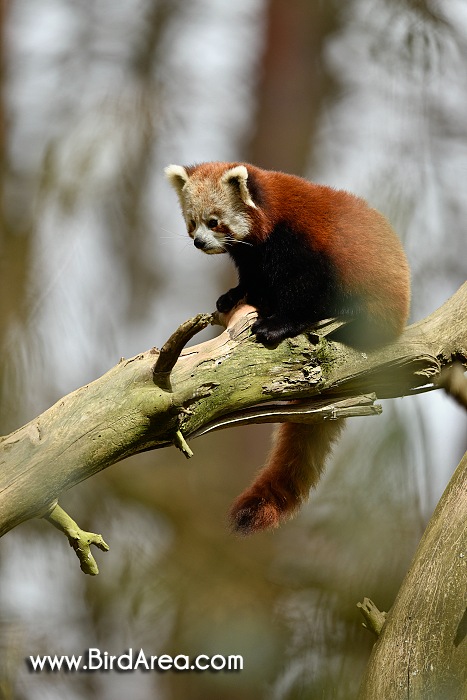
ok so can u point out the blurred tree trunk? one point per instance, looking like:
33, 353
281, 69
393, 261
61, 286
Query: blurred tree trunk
128, 220
293, 84
15, 235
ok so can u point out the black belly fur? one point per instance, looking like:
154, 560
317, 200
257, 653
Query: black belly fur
285, 276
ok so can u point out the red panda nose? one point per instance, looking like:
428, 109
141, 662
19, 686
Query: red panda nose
199, 243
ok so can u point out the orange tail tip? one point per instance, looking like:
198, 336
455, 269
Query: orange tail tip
295, 464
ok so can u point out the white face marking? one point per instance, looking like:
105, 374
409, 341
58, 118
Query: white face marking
215, 210
215, 218
206, 238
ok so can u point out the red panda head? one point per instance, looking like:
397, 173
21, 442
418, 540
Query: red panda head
215, 202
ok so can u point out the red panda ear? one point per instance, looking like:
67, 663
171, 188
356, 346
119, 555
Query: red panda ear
177, 176
238, 176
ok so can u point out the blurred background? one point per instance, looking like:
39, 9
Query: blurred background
95, 99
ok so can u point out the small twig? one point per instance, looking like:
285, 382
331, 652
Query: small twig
170, 351
79, 539
454, 382
181, 443
374, 618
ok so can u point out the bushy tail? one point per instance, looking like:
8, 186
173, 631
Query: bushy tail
294, 466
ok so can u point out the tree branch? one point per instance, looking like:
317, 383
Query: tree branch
170, 352
421, 651
79, 539
148, 402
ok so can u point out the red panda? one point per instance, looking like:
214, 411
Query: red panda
304, 252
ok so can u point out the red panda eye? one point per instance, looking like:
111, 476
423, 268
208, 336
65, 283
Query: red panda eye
212, 223
191, 225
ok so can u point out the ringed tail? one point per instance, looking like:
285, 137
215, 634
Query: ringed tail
294, 466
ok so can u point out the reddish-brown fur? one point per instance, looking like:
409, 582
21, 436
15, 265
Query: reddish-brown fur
362, 244
368, 255
294, 466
